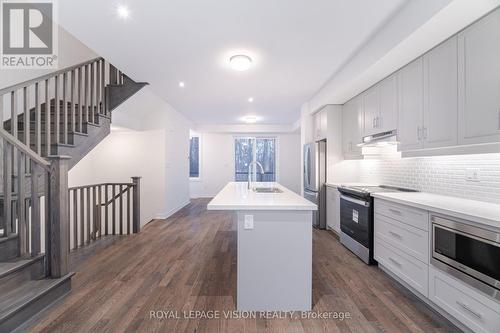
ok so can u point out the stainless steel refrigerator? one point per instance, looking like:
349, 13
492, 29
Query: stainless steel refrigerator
315, 178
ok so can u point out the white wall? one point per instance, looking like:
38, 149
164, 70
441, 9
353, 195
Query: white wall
217, 162
149, 139
120, 156
71, 52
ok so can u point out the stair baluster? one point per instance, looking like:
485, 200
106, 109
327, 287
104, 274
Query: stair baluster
80, 101
92, 204
57, 112
38, 120
47, 118
65, 109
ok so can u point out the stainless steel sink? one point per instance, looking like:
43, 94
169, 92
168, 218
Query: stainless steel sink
267, 190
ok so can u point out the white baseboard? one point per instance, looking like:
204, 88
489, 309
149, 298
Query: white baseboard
173, 210
203, 196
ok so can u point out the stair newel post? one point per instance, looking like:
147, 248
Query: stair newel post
136, 205
59, 219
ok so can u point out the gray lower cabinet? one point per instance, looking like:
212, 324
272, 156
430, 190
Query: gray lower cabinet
402, 239
471, 308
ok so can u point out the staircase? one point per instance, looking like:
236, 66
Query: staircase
49, 124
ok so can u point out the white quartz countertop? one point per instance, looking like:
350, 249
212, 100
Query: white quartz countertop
236, 196
471, 210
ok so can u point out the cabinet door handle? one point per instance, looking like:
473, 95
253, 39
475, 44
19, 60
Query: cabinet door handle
468, 309
498, 119
397, 263
394, 211
396, 235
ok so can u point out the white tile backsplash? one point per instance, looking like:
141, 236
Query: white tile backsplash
441, 175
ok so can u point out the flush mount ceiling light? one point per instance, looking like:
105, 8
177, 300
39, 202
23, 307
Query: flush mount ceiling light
240, 62
182, 84
123, 12
250, 99
250, 119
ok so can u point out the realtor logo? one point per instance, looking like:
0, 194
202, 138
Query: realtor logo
29, 34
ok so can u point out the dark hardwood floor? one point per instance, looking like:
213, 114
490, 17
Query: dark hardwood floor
188, 262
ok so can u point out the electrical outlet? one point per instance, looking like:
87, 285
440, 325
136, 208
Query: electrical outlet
472, 174
248, 222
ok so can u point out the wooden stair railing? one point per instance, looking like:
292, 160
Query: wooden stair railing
68, 99
103, 209
47, 125
36, 116
34, 215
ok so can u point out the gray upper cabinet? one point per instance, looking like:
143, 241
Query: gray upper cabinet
441, 103
411, 106
371, 110
352, 127
388, 92
440, 96
479, 81
380, 107
320, 124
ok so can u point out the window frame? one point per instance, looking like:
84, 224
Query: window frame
255, 137
195, 135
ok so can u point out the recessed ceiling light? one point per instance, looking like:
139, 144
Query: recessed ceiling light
250, 119
250, 99
240, 62
182, 84
123, 12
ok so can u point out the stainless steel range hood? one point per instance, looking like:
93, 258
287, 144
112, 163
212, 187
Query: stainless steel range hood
380, 139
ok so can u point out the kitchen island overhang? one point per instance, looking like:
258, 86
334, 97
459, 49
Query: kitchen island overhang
274, 244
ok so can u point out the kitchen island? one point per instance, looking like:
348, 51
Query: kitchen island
274, 260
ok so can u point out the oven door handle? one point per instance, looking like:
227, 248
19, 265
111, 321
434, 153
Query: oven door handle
356, 201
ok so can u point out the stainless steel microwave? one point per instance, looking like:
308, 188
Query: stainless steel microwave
470, 253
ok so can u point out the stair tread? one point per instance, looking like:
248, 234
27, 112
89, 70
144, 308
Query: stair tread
11, 266
19, 297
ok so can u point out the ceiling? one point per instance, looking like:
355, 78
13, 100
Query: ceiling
296, 46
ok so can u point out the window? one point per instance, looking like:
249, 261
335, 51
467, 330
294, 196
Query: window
262, 150
194, 157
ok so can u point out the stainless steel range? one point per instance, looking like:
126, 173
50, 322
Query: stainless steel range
356, 218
